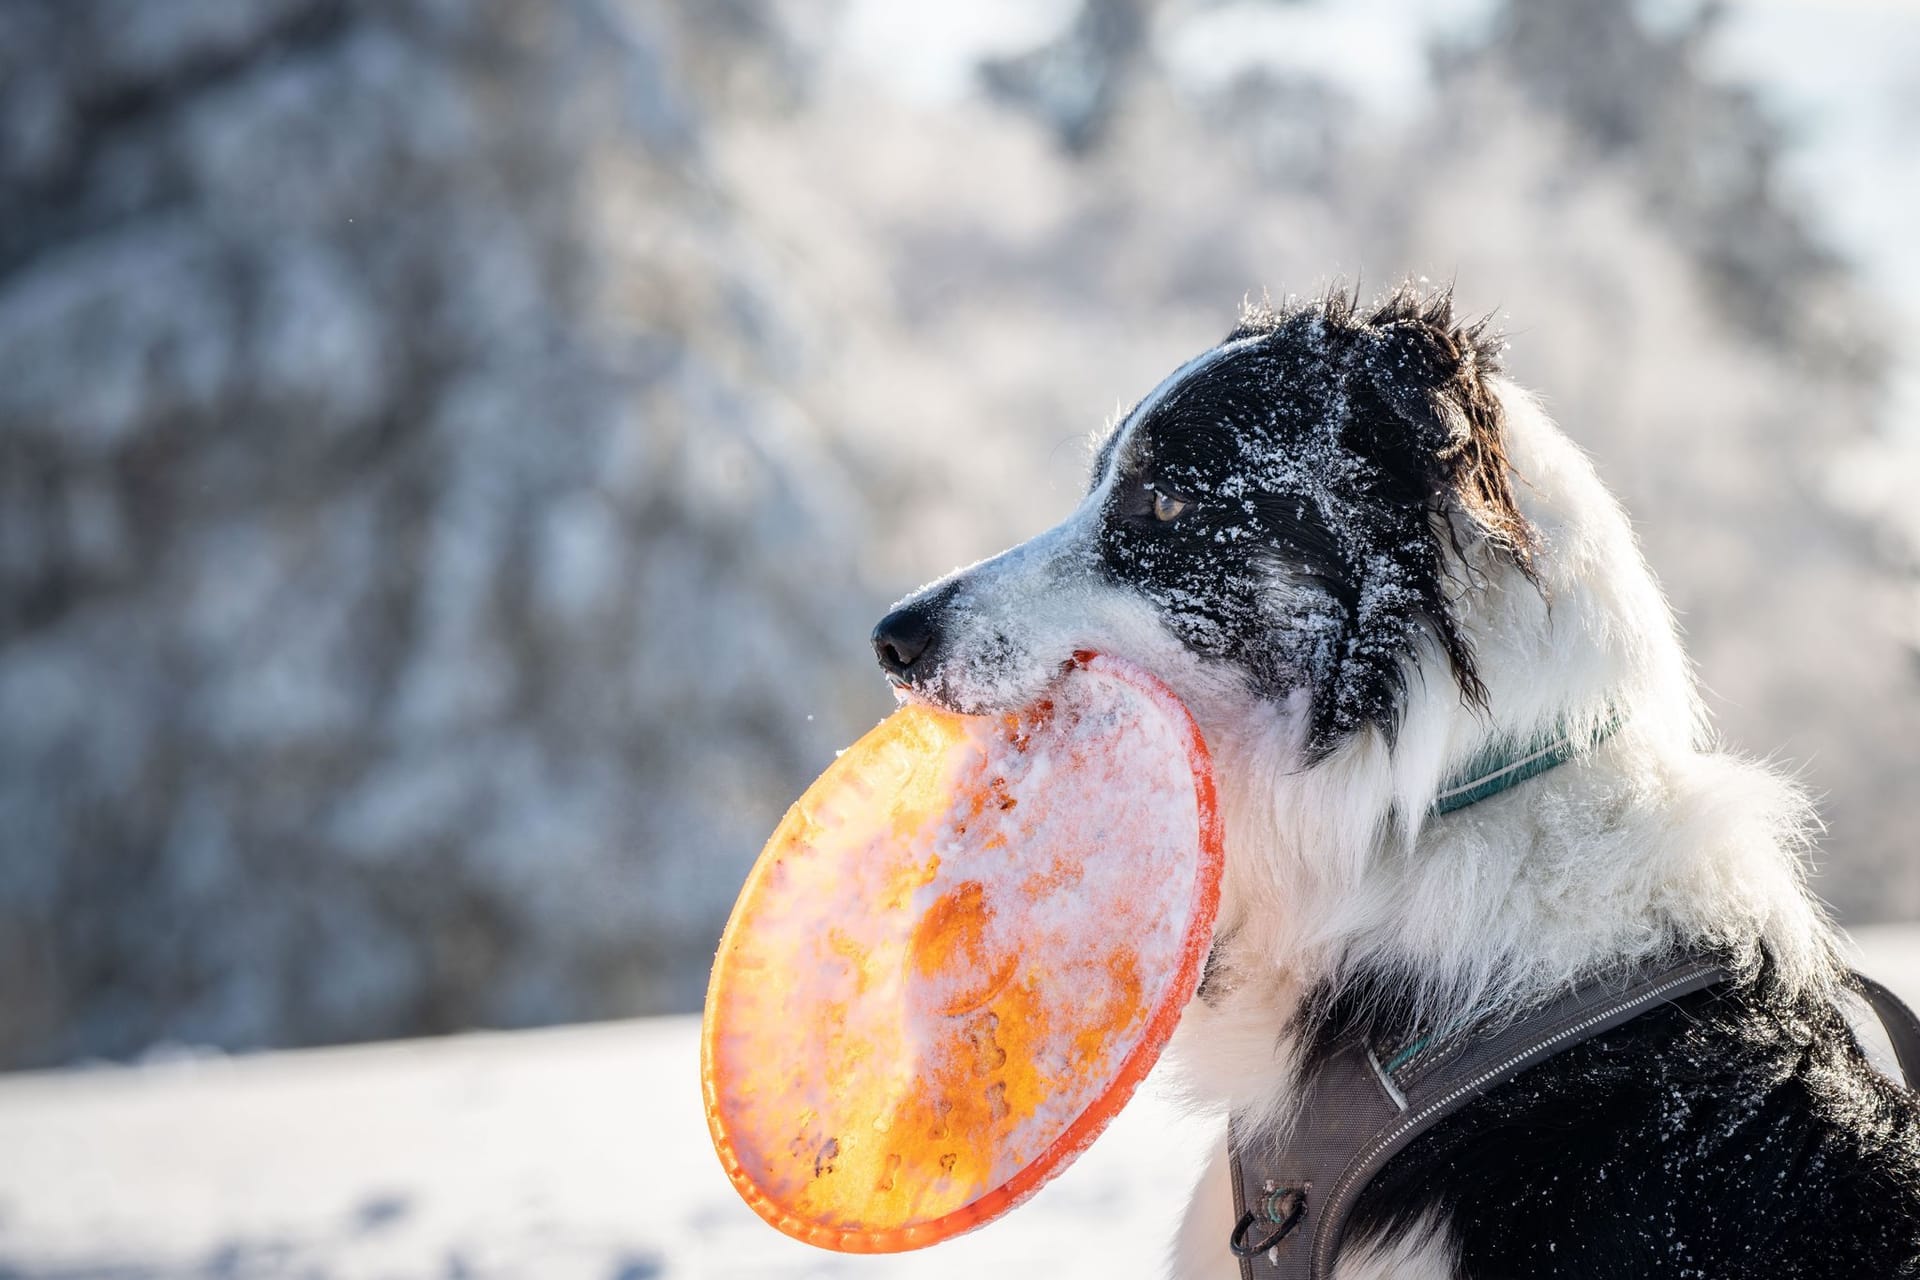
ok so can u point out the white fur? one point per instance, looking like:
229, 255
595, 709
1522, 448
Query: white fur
1200, 1249
1422, 1253
1653, 840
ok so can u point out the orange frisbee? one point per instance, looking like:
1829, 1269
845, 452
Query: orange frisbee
957, 957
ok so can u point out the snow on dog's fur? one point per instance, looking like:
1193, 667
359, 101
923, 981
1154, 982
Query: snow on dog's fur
1362, 556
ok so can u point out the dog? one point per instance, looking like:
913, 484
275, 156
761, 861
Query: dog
1362, 556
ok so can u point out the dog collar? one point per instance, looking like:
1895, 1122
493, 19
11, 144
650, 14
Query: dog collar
1508, 763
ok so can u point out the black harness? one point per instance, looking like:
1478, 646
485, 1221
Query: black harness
1366, 1104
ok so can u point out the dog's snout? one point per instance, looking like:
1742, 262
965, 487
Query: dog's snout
902, 637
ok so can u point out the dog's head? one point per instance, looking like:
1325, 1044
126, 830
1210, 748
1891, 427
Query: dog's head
1364, 559
1283, 522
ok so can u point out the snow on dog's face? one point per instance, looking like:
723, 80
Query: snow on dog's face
1284, 512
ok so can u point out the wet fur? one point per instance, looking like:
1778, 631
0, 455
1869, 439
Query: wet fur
1389, 559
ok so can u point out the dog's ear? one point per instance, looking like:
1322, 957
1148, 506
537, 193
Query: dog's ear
1424, 411
1425, 376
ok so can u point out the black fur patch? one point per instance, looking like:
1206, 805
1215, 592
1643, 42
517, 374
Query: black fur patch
1736, 1134
1322, 460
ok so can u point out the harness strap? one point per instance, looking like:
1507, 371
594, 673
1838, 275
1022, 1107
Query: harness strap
1293, 1202
1902, 1027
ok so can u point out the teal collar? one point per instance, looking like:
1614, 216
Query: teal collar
1508, 763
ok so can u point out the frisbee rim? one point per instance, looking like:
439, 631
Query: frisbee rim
1080, 1133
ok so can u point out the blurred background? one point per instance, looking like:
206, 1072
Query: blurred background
452, 451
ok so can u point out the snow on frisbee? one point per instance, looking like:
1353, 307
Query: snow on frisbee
958, 955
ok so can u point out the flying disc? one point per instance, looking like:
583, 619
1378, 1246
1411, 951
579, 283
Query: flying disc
956, 958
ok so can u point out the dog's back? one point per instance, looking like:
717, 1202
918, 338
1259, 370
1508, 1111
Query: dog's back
1736, 1133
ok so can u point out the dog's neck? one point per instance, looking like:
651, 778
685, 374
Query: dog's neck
1624, 855
1510, 762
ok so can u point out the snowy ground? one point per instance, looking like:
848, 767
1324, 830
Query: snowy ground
577, 1152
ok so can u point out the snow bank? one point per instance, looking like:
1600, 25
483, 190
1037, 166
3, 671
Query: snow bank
572, 1152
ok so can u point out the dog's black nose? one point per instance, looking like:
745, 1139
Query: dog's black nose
901, 637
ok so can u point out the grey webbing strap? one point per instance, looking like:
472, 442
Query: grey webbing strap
1902, 1027
1293, 1204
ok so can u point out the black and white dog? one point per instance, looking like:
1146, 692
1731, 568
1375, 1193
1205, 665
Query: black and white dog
1362, 556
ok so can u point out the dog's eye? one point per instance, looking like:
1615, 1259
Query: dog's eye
1166, 507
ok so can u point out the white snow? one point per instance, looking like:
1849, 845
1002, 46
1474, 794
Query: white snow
574, 1152
1378, 52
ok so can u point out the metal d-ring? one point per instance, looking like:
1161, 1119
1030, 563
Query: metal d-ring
1280, 1207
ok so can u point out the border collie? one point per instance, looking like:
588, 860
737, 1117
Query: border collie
1363, 558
